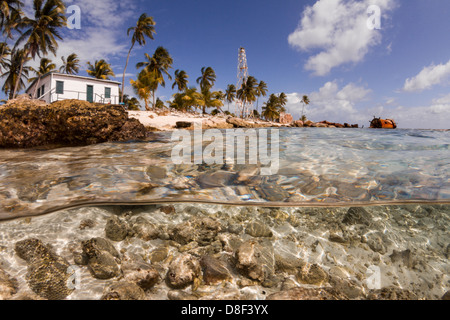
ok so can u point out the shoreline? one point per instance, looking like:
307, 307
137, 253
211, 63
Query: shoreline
171, 120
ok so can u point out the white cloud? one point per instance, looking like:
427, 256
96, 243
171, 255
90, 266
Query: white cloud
428, 77
102, 33
331, 103
434, 116
338, 29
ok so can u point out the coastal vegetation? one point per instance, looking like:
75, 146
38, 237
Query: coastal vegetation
27, 38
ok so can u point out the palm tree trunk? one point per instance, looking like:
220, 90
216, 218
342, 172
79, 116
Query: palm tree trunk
154, 101
20, 73
124, 71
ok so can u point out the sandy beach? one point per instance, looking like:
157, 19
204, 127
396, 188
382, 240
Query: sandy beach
168, 121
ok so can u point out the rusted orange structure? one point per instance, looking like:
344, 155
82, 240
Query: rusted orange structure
378, 123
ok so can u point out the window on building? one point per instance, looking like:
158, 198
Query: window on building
60, 87
107, 93
42, 91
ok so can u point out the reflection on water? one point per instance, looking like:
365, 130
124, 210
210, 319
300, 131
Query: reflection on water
333, 166
202, 251
123, 221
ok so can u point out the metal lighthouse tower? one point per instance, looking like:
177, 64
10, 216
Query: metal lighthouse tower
242, 76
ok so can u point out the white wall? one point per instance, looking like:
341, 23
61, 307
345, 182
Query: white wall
76, 88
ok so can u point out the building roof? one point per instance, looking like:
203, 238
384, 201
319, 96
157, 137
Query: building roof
72, 76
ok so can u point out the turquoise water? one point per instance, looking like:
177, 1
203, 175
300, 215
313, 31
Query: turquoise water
362, 212
316, 167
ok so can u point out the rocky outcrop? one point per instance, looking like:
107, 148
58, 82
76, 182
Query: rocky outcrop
124, 291
201, 230
323, 124
255, 260
103, 258
307, 294
286, 118
8, 285
214, 270
116, 229
48, 274
183, 271
25, 124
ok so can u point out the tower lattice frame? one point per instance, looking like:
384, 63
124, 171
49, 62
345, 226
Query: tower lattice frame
242, 75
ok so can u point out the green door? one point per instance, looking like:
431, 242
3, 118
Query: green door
90, 93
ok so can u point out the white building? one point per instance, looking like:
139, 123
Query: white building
58, 86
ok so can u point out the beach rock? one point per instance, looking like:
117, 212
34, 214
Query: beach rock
124, 290
230, 242
159, 254
391, 293
144, 229
217, 179
183, 271
87, 223
298, 124
68, 122
116, 229
403, 257
214, 270
258, 229
184, 125
48, 274
8, 286
308, 123
144, 275
286, 118
201, 230
307, 294
312, 274
168, 209
103, 258
349, 288
179, 295
357, 215
446, 296
256, 260
239, 123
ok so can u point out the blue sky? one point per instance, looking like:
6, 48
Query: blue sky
321, 48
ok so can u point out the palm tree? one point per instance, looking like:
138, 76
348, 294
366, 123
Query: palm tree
271, 108
305, 101
41, 32
143, 87
144, 28
247, 93
159, 104
15, 70
46, 66
71, 65
9, 9
207, 79
156, 67
186, 100
211, 99
5, 51
181, 80
282, 100
261, 90
230, 94
100, 70
131, 103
